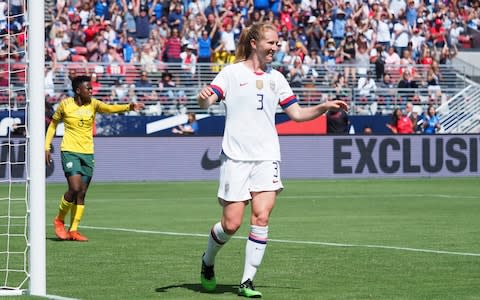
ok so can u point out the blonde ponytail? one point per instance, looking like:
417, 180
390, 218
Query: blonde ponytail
244, 46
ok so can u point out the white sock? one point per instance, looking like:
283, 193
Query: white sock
254, 250
216, 240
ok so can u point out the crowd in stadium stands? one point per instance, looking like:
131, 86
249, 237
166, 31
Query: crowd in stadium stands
315, 38
311, 32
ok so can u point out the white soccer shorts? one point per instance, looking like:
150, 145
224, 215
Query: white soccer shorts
239, 178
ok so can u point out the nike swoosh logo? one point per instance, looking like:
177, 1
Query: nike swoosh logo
243, 84
208, 164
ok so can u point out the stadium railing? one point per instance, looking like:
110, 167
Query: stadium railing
182, 98
318, 75
382, 101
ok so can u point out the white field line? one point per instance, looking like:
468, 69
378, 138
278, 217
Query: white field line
55, 297
350, 196
17, 292
288, 241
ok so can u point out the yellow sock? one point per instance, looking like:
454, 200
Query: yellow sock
77, 217
64, 208
73, 211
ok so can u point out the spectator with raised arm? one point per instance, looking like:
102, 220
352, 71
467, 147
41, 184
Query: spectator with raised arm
348, 50
175, 17
438, 34
142, 23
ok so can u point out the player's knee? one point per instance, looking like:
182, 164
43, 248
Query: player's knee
260, 220
231, 226
75, 190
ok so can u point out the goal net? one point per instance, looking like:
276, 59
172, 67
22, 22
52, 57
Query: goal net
19, 147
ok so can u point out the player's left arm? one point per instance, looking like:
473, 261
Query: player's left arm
103, 107
301, 114
290, 106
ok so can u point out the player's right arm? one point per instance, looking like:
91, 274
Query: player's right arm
56, 118
206, 97
215, 91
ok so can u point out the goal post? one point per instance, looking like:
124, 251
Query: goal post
22, 154
36, 146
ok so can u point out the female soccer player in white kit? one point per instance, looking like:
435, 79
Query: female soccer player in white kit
250, 170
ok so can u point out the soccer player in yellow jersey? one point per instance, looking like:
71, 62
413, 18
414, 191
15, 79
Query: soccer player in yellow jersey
78, 114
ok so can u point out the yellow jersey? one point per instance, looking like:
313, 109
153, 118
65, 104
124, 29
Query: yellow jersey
79, 122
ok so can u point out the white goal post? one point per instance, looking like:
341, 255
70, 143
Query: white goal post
22, 193
36, 154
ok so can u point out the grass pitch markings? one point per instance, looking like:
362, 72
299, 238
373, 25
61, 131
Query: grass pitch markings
316, 197
288, 241
55, 297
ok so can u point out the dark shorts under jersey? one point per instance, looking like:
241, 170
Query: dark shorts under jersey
77, 163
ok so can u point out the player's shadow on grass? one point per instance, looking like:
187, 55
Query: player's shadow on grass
221, 288
55, 239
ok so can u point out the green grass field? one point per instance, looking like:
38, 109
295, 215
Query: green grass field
346, 239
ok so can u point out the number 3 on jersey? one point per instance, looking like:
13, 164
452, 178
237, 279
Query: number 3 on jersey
260, 101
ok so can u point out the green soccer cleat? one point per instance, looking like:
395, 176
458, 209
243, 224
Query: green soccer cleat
247, 289
207, 278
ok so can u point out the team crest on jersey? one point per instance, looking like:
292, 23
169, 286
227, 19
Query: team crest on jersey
272, 85
259, 84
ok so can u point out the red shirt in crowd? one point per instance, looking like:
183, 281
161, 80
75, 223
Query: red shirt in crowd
286, 19
404, 125
91, 31
426, 60
174, 47
436, 30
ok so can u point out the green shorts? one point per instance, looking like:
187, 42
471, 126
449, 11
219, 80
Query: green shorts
77, 163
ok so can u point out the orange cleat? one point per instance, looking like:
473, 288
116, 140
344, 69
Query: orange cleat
60, 229
76, 236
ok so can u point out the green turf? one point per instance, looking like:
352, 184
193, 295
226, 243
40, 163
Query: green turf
430, 214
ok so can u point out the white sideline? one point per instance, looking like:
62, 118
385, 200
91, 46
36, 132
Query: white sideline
444, 196
55, 297
288, 241
18, 292
309, 197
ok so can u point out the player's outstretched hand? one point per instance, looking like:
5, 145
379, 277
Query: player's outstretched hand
206, 92
337, 105
137, 106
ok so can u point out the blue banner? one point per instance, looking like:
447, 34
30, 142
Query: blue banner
209, 125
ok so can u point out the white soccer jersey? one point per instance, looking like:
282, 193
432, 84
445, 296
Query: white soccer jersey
251, 101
